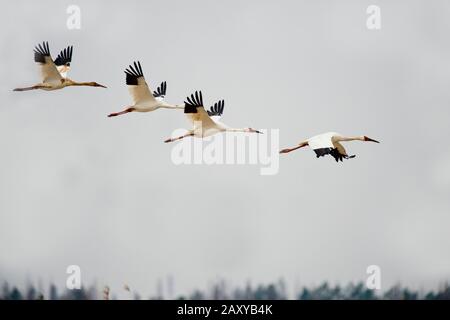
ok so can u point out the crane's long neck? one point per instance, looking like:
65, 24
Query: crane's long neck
343, 138
74, 83
172, 106
237, 129
69, 82
225, 128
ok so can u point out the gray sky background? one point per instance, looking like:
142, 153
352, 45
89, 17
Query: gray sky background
79, 188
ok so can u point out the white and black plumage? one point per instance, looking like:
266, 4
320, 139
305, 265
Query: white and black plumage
160, 92
205, 123
143, 98
54, 73
63, 61
217, 109
329, 143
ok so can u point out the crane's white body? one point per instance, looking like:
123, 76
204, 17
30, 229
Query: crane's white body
204, 125
324, 140
144, 100
52, 79
50, 75
63, 70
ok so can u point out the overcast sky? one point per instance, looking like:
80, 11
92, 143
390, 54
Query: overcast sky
79, 188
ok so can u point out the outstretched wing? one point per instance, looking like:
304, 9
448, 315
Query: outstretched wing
196, 112
138, 87
340, 148
216, 111
63, 61
334, 152
160, 92
49, 73
339, 152
324, 144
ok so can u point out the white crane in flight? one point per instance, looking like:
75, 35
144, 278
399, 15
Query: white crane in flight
54, 73
329, 143
144, 100
206, 123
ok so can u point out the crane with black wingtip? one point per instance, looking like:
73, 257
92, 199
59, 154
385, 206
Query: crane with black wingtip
144, 100
54, 73
206, 123
329, 144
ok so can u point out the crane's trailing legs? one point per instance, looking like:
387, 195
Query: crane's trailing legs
127, 110
189, 134
301, 145
37, 86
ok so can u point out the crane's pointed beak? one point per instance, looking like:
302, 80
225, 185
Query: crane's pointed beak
369, 139
253, 130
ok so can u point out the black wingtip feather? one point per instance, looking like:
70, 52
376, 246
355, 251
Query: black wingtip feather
132, 74
41, 51
161, 90
193, 102
64, 57
333, 152
216, 109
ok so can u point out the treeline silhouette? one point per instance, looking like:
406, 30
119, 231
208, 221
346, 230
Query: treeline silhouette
219, 291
